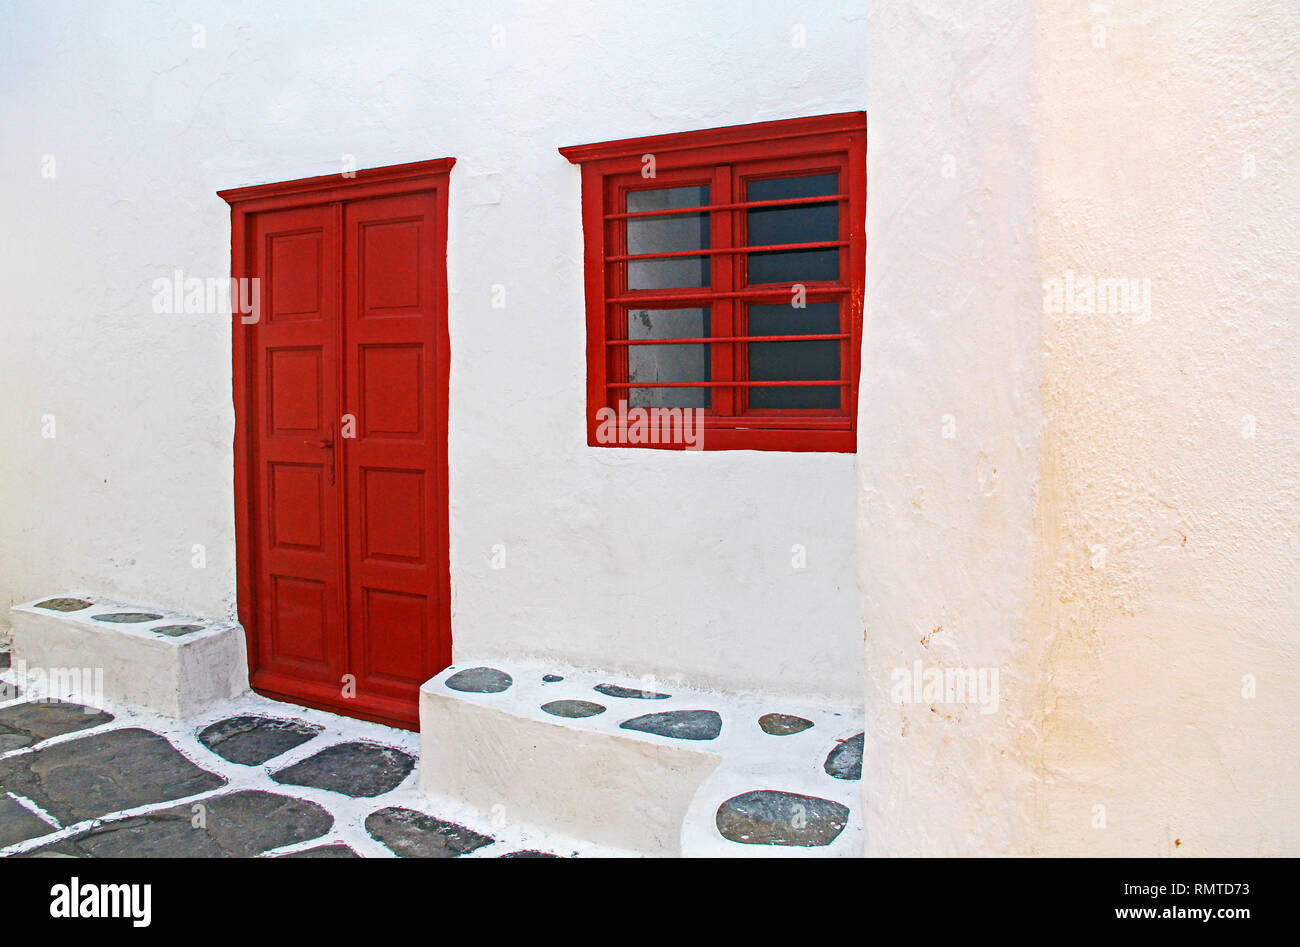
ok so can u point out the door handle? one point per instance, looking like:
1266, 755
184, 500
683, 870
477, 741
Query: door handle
325, 443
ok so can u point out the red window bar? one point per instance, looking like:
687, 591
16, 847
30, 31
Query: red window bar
725, 161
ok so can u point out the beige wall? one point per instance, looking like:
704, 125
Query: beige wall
1133, 567
1169, 154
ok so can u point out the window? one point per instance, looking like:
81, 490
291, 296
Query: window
724, 274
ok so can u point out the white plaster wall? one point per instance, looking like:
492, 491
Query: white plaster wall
1132, 567
646, 562
951, 347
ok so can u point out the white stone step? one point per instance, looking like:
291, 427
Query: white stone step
713, 783
88, 647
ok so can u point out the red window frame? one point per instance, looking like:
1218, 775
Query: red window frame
724, 159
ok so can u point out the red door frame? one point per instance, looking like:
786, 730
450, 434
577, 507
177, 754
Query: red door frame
245, 202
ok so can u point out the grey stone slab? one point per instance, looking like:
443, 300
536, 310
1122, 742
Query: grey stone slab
353, 769
64, 604
770, 817
24, 724
845, 761
176, 631
480, 681
336, 850
530, 853
17, 823
104, 772
781, 725
573, 708
236, 825
551, 678
412, 834
4, 660
252, 740
127, 618
680, 724
617, 690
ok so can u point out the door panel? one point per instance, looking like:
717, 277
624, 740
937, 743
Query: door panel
343, 551
395, 465
299, 582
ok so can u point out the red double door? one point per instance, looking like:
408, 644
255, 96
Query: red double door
344, 585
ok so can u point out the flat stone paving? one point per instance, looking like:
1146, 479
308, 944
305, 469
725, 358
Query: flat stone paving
845, 761
77, 781
336, 850
769, 817
681, 724
353, 769
252, 740
31, 722
17, 823
412, 834
113, 792
126, 790
102, 773
235, 825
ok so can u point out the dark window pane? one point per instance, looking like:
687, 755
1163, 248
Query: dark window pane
667, 234
784, 319
667, 198
662, 363
792, 361
800, 223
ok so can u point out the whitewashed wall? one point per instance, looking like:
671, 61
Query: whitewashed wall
1113, 521
659, 563
951, 410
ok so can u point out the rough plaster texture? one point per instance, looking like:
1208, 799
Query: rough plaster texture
1172, 443
1100, 527
661, 563
951, 347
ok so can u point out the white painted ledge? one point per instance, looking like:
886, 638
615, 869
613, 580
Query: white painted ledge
588, 778
129, 663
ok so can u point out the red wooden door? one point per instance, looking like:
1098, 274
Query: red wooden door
341, 387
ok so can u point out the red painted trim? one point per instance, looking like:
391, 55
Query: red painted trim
240, 267
593, 228
729, 136
709, 339
443, 384
736, 205
765, 247
365, 183
725, 158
